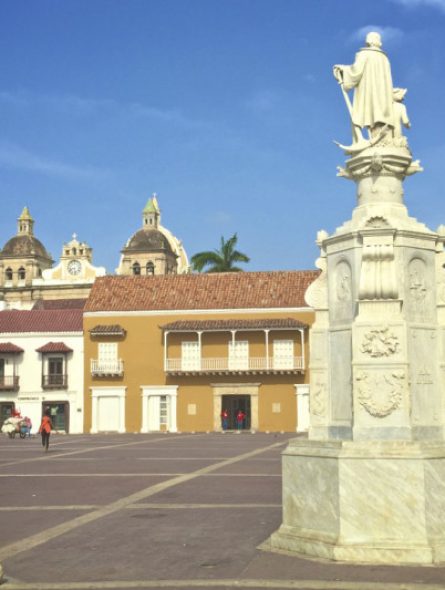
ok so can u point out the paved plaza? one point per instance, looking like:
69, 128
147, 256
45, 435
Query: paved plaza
160, 511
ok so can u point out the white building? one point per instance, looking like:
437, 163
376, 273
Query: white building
41, 365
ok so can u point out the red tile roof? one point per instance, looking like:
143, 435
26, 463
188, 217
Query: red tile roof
57, 320
108, 330
60, 304
10, 348
54, 347
238, 290
215, 325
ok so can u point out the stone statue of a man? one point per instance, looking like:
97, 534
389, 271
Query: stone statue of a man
370, 76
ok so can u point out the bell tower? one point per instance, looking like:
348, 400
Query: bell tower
25, 223
151, 215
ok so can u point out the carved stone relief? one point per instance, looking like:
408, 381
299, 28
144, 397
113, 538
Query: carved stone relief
316, 295
343, 282
318, 398
341, 308
378, 274
424, 376
380, 394
377, 222
418, 286
379, 343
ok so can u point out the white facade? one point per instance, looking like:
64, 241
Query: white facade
31, 366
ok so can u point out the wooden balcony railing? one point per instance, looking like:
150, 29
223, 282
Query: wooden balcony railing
54, 381
9, 383
107, 368
227, 365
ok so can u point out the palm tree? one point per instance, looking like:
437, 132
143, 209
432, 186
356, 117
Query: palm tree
221, 260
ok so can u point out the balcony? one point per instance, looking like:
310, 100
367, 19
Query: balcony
54, 381
9, 383
107, 368
220, 366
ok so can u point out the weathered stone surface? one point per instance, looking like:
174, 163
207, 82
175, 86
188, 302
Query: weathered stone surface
354, 501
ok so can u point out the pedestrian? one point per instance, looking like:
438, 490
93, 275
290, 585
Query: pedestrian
225, 419
45, 429
240, 420
28, 425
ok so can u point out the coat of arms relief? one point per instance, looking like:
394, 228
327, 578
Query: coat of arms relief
380, 342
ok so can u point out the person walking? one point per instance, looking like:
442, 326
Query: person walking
45, 429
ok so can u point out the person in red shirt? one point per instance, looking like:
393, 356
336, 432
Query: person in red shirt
225, 419
45, 429
240, 419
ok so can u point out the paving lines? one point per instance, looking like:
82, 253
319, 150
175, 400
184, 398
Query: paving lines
142, 506
92, 449
252, 584
113, 507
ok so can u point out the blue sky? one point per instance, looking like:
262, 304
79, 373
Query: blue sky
225, 108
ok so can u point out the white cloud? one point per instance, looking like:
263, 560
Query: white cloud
77, 105
439, 4
13, 156
390, 35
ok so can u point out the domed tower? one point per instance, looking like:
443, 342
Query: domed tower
152, 250
23, 257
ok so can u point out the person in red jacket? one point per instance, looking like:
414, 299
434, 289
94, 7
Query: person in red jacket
240, 419
45, 429
225, 419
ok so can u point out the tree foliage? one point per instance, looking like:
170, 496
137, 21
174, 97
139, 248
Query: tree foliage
220, 260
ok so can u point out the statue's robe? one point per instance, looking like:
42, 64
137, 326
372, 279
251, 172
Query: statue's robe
370, 75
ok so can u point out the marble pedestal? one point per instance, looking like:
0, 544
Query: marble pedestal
371, 502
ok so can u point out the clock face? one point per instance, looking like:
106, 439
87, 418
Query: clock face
74, 267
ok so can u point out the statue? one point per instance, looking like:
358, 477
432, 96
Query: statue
373, 104
400, 117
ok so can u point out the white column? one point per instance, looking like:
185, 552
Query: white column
94, 415
172, 423
266, 332
200, 349
302, 350
302, 393
165, 350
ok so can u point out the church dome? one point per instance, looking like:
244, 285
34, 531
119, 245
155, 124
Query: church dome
148, 240
25, 245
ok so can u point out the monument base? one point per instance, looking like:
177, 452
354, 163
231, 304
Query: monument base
364, 502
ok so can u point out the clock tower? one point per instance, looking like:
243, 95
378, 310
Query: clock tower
75, 263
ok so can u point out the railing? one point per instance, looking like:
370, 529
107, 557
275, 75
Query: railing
54, 381
103, 368
294, 363
9, 383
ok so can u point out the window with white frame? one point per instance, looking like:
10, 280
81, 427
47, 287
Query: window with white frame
163, 410
283, 354
107, 356
239, 355
190, 356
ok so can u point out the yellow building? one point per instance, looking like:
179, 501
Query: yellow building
172, 352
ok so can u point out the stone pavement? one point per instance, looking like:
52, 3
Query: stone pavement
160, 511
